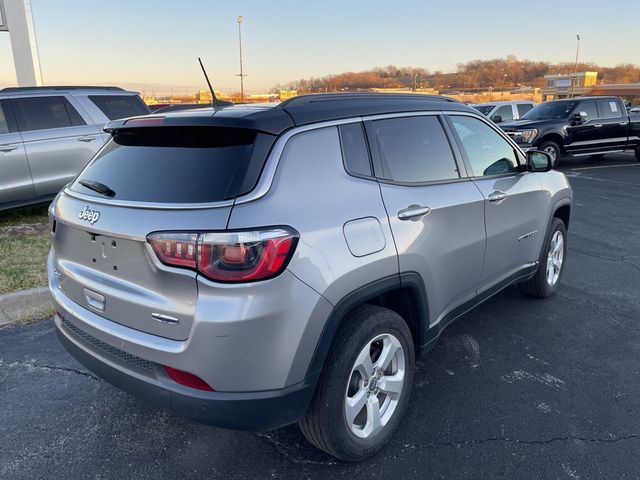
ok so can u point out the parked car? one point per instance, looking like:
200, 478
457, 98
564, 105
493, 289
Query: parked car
276, 264
504, 111
48, 134
578, 127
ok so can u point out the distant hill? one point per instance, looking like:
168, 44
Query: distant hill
478, 74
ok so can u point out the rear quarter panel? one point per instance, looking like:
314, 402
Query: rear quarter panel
312, 193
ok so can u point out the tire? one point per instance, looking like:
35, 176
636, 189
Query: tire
325, 424
553, 149
540, 285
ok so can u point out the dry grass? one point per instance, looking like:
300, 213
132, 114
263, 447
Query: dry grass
33, 315
23, 257
23, 262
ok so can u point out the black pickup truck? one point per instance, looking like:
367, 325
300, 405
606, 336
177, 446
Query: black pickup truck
577, 126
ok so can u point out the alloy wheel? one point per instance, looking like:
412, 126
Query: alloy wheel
375, 385
555, 258
551, 150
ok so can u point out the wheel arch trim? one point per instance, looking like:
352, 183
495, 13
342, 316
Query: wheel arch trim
410, 280
562, 203
552, 136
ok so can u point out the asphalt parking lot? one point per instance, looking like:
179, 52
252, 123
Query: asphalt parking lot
518, 388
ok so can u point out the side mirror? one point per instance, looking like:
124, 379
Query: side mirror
497, 119
538, 161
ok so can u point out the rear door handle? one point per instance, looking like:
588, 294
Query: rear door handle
86, 139
7, 148
413, 212
597, 125
497, 196
624, 124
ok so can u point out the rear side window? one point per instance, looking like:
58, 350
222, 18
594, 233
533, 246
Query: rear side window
589, 108
609, 109
414, 150
42, 113
119, 106
178, 164
524, 108
505, 111
354, 149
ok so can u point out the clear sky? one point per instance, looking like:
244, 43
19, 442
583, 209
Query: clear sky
153, 44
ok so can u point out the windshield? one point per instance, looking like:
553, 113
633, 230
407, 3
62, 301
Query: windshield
550, 111
484, 109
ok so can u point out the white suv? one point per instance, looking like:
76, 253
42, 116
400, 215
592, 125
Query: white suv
504, 111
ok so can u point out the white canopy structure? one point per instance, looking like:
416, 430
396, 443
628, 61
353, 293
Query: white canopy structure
16, 18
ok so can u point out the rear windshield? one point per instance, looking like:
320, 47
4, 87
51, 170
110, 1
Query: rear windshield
119, 106
177, 164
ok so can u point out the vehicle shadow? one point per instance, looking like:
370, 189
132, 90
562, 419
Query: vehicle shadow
441, 376
610, 159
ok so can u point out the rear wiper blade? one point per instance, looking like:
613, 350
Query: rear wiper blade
97, 187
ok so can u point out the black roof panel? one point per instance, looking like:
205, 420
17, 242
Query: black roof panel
307, 109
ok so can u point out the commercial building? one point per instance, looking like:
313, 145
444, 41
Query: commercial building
285, 94
568, 85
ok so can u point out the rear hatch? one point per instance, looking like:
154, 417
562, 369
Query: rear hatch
146, 180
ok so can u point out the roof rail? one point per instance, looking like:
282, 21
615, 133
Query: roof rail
328, 97
58, 87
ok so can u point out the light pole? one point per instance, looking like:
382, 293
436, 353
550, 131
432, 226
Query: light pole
575, 67
241, 74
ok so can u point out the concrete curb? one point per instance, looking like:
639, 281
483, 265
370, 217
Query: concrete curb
24, 305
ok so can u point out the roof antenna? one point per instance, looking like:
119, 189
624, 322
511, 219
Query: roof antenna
214, 100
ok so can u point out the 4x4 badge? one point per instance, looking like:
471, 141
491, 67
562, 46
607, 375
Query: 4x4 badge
91, 216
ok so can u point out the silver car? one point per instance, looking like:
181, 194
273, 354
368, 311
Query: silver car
48, 134
504, 111
256, 266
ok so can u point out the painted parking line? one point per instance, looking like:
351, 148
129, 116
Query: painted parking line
606, 166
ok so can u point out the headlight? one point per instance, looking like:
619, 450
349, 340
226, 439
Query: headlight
528, 135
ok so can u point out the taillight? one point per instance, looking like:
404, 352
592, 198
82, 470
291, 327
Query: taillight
242, 256
177, 249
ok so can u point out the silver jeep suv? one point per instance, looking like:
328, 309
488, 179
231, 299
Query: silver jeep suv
256, 266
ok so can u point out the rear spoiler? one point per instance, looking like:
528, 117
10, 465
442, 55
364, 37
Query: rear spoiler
272, 121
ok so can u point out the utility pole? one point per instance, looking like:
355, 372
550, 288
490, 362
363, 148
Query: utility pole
575, 68
241, 74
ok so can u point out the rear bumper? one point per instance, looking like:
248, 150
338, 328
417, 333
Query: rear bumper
243, 338
252, 411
